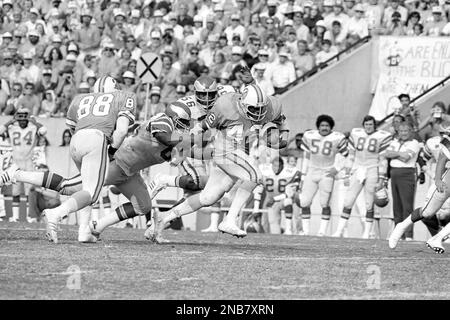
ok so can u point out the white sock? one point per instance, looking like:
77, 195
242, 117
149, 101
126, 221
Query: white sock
305, 226
288, 225
107, 221
323, 226
367, 227
15, 212
341, 226
214, 220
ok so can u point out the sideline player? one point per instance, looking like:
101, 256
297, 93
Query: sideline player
319, 168
236, 117
277, 177
438, 194
23, 132
366, 169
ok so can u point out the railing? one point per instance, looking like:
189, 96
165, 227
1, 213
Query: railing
440, 83
323, 65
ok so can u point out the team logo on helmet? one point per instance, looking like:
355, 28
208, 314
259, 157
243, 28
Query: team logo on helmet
180, 115
254, 102
205, 89
106, 84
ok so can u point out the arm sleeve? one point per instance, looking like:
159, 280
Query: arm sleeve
342, 147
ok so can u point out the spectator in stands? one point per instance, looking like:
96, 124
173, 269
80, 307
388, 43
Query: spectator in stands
395, 27
303, 60
48, 104
317, 36
30, 100
236, 28
437, 24
235, 62
436, 122
109, 62
168, 79
358, 23
156, 106
409, 110
129, 81
31, 70
12, 105
328, 51
336, 35
207, 54
250, 55
403, 153
4, 95
88, 37
7, 66
394, 6
260, 78
418, 30
413, 19
282, 72
66, 138
84, 88
256, 26
19, 74
218, 66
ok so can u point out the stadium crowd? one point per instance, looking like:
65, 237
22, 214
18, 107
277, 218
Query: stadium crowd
51, 50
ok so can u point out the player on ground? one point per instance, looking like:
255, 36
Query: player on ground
319, 168
366, 169
236, 117
152, 143
277, 177
438, 194
100, 123
23, 132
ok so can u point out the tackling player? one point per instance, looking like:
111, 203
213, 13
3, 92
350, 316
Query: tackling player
152, 143
319, 168
236, 117
23, 132
366, 169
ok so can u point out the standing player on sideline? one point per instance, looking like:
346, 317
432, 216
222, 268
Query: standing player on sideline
97, 119
438, 194
236, 117
277, 177
366, 169
23, 132
319, 168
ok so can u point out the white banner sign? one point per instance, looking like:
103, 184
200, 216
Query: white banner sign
408, 65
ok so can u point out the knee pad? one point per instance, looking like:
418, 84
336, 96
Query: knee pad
306, 212
326, 213
346, 212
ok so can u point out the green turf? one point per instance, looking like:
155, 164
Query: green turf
215, 266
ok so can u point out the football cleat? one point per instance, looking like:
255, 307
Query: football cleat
156, 185
93, 230
210, 229
51, 221
154, 234
85, 235
7, 177
231, 229
435, 245
396, 235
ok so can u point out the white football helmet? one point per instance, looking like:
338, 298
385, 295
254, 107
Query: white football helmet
254, 102
205, 89
180, 115
106, 84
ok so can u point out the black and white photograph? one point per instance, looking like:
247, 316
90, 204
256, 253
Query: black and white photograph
231, 157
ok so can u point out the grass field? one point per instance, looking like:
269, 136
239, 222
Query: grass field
214, 266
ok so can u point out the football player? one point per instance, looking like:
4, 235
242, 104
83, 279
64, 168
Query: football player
206, 91
437, 196
319, 168
276, 177
5, 163
99, 122
236, 117
23, 132
366, 169
152, 143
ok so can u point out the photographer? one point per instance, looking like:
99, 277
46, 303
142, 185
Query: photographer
396, 26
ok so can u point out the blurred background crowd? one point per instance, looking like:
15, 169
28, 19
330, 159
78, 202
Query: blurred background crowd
52, 49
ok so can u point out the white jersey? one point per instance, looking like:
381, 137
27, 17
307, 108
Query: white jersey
275, 184
367, 147
323, 149
198, 113
5, 153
